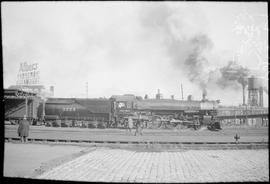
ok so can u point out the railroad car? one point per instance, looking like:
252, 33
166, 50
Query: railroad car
78, 111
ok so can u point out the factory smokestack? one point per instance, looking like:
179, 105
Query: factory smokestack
243, 81
182, 92
261, 96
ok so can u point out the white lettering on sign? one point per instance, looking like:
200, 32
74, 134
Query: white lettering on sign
24, 67
28, 74
69, 109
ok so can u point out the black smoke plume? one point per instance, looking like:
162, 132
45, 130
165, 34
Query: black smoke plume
195, 61
232, 73
188, 45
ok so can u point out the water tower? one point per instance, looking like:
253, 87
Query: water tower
255, 96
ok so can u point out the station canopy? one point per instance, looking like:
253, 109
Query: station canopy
16, 93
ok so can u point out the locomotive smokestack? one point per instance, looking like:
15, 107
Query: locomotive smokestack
158, 95
204, 94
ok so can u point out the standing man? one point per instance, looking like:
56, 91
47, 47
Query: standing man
139, 125
130, 124
23, 129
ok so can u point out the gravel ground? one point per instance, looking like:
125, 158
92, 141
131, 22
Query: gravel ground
118, 165
247, 134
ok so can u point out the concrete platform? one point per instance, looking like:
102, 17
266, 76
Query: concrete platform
27, 160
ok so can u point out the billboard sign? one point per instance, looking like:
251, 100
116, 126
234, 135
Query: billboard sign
28, 74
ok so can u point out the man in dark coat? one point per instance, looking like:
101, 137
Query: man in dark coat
23, 129
139, 126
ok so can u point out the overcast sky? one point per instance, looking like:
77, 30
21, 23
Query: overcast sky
135, 47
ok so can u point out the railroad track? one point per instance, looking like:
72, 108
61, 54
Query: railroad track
152, 144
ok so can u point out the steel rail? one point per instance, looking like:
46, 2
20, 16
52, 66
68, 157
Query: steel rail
190, 145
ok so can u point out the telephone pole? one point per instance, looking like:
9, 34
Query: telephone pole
86, 89
182, 92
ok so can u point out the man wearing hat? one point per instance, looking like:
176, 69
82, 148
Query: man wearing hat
23, 129
139, 125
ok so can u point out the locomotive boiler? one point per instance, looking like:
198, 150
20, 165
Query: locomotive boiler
190, 113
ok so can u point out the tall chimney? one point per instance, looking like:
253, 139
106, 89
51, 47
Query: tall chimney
182, 92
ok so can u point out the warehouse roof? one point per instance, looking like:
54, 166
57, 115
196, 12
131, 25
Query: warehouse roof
17, 92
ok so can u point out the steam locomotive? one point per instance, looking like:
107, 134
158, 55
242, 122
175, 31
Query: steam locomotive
114, 112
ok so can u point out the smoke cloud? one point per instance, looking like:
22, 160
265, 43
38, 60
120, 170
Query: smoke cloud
184, 40
195, 61
232, 73
189, 46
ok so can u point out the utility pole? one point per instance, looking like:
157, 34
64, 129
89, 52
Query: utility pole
26, 106
182, 92
86, 89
